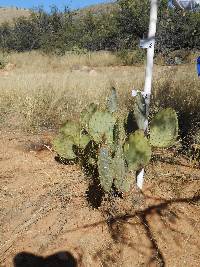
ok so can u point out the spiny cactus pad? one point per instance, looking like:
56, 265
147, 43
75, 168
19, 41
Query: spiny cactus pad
83, 140
164, 128
86, 114
119, 131
71, 128
105, 168
140, 111
64, 147
137, 151
101, 127
112, 101
121, 181
126, 183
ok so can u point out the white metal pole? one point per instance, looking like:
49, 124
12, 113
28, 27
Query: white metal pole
149, 72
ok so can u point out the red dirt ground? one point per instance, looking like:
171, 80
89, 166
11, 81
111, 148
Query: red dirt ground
44, 210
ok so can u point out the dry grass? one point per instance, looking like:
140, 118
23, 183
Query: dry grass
42, 91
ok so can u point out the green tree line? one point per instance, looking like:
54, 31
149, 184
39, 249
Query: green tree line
116, 30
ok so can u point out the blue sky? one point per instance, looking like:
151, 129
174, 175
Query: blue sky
73, 4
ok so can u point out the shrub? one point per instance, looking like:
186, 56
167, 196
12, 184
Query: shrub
129, 57
3, 61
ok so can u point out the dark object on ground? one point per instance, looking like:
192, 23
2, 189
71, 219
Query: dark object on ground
60, 259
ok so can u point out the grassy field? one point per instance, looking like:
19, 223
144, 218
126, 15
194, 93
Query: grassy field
41, 92
49, 207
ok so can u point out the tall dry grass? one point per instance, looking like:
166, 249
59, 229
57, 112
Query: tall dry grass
42, 91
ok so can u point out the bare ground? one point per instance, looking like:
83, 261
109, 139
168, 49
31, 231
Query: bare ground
45, 209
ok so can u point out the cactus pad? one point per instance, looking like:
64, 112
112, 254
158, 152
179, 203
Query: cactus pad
105, 168
83, 140
137, 151
64, 147
119, 132
164, 128
112, 101
71, 129
140, 111
101, 126
86, 114
126, 183
121, 181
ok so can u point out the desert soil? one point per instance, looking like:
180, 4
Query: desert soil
45, 209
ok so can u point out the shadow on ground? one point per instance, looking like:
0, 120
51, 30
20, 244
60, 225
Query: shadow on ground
60, 259
164, 210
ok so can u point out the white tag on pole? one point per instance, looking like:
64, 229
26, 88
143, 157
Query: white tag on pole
146, 43
135, 92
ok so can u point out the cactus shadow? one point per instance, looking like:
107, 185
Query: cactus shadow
131, 124
60, 259
65, 161
169, 213
95, 194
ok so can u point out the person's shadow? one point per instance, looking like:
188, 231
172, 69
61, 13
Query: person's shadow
60, 259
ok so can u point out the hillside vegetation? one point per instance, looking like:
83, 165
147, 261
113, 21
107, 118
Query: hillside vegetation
92, 29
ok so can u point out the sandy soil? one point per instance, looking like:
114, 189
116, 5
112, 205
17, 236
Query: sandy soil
45, 209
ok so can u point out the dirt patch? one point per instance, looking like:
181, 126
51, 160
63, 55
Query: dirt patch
45, 210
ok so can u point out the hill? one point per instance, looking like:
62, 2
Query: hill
97, 9
7, 14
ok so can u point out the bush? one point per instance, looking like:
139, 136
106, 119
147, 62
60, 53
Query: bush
134, 57
3, 61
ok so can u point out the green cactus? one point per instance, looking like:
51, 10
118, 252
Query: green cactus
83, 140
112, 101
137, 151
105, 168
100, 141
73, 131
121, 179
140, 111
86, 115
119, 133
64, 147
70, 128
101, 126
164, 128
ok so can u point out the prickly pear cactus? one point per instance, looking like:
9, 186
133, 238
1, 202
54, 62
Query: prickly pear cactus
86, 115
137, 151
70, 128
121, 178
112, 101
140, 111
119, 136
64, 147
164, 128
105, 168
83, 140
100, 139
101, 126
